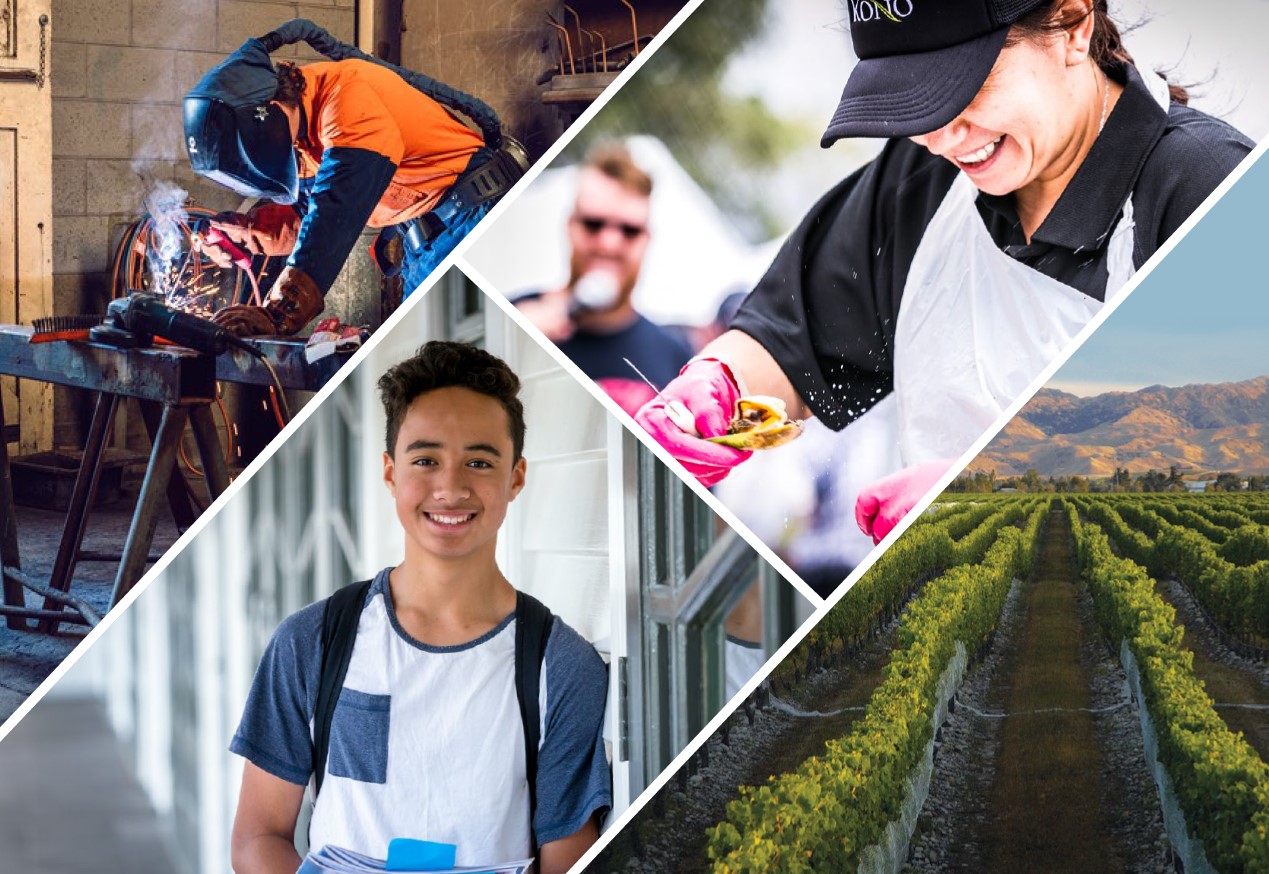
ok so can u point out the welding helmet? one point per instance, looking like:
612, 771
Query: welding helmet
234, 135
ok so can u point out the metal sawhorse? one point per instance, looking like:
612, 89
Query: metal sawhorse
175, 387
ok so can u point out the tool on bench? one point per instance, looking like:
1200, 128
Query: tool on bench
141, 320
137, 321
57, 329
134, 322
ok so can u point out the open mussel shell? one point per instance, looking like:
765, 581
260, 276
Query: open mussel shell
759, 422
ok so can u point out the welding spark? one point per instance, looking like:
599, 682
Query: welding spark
169, 222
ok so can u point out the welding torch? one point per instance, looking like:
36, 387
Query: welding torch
213, 236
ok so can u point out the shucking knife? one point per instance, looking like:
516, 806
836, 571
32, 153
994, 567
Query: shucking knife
679, 414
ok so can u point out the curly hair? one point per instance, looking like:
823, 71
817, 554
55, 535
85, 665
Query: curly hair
291, 84
444, 364
1107, 46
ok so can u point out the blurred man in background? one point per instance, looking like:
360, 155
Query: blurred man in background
592, 318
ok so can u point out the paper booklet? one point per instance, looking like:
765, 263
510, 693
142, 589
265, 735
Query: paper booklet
337, 860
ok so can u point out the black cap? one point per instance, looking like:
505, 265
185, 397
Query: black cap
921, 62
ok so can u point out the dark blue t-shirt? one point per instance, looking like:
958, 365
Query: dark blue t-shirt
653, 349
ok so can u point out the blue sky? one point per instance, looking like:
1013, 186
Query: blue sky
1202, 315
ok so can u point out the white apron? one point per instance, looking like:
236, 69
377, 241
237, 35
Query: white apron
976, 327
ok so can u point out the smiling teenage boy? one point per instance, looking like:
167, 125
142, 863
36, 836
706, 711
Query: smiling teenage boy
427, 739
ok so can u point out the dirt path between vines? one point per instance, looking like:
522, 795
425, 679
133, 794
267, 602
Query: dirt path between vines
1236, 685
1000, 796
1045, 804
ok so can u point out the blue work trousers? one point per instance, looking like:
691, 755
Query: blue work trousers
419, 262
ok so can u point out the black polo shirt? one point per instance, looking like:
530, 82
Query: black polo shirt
826, 309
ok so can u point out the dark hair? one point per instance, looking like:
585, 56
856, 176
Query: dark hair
614, 161
442, 364
290, 84
1107, 46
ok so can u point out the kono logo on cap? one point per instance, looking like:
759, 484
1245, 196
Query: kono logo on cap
880, 10
920, 62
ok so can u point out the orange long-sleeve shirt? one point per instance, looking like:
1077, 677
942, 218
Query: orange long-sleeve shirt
359, 104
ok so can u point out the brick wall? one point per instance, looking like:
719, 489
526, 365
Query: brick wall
498, 49
119, 71
493, 51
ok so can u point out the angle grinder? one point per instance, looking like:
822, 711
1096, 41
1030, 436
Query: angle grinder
134, 321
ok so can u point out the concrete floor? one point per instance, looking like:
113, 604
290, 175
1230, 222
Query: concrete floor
68, 801
27, 657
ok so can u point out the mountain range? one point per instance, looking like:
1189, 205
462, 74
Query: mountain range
1221, 427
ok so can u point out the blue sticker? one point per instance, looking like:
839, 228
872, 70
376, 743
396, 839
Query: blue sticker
407, 854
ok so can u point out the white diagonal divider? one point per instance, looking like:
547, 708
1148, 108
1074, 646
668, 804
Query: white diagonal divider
661, 453
320, 397
1140, 276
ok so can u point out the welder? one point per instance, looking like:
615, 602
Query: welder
330, 148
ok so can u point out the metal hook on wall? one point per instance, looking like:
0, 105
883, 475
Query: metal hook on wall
568, 43
634, 24
603, 47
577, 19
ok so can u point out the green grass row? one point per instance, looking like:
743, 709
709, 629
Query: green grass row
821, 816
1221, 783
1230, 579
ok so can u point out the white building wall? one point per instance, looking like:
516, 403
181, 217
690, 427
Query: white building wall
176, 668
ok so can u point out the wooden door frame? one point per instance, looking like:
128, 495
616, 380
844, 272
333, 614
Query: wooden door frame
29, 118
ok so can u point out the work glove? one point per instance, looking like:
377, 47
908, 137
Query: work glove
268, 229
707, 391
884, 503
293, 302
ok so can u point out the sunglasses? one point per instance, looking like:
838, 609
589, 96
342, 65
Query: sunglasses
594, 225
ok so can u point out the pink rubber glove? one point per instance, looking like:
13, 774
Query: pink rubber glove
706, 387
884, 503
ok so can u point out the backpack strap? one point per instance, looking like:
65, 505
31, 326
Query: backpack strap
533, 627
339, 633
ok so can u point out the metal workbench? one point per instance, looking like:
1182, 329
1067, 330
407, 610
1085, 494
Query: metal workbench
175, 387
